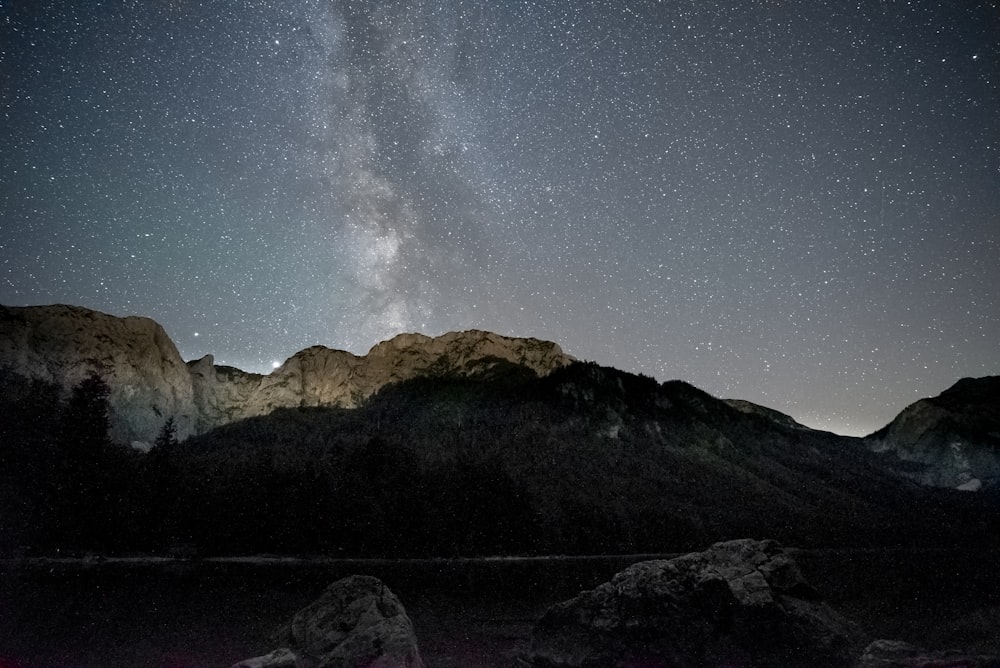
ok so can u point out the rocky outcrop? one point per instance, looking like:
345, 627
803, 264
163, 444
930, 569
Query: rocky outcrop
148, 379
777, 417
897, 654
319, 376
357, 623
740, 603
150, 382
952, 440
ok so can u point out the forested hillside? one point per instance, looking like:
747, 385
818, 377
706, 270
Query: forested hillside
585, 460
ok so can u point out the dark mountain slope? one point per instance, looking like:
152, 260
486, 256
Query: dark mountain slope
587, 459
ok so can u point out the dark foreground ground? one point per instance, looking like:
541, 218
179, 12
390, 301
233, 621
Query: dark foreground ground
469, 614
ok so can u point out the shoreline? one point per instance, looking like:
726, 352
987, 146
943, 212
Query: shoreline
98, 561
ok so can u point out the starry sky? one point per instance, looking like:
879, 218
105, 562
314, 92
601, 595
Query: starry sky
795, 203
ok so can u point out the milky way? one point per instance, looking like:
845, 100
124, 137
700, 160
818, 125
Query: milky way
791, 203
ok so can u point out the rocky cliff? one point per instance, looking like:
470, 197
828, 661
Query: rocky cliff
150, 382
952, 440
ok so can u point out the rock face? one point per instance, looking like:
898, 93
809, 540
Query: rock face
150, 382
148, 379
319, 376
356, 623
739, 603
897, 654
952, 440
774, 416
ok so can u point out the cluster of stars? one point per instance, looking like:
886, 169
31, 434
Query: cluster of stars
790, 203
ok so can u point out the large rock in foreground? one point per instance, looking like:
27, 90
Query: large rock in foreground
739, 603
357, 623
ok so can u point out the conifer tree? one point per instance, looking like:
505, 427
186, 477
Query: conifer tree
167, 438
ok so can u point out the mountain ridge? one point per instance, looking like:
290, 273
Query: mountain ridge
585, 460
150, 382
945, 441
468, 443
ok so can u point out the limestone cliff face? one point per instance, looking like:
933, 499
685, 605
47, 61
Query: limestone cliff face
150, 382
952, 440
319, 376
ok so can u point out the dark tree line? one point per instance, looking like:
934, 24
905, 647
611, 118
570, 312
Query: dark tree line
67, 488
66, 485
586, 460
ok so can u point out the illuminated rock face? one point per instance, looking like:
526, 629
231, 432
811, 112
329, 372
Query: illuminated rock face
951, 440
148, 379
151, 383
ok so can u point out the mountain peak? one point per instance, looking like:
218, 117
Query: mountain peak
467, 349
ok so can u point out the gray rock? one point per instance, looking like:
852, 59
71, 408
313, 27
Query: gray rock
356, 623
740, 603
951, 440
279, 658
898, 654
149, 381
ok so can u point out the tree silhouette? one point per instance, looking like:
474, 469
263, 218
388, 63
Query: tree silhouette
84, 445
85, 421
167, 438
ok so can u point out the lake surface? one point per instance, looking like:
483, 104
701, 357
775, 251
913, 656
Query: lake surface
468, 613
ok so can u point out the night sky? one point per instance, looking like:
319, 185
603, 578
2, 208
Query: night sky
793, 203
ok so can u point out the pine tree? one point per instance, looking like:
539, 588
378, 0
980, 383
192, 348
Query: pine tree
84, 442
167, 438
85, 422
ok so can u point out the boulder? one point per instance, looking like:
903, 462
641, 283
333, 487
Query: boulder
898, 654
356, 623
279, 658
739, 603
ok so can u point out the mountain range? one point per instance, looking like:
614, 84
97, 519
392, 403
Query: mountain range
468, 443
150, 381
952, 440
